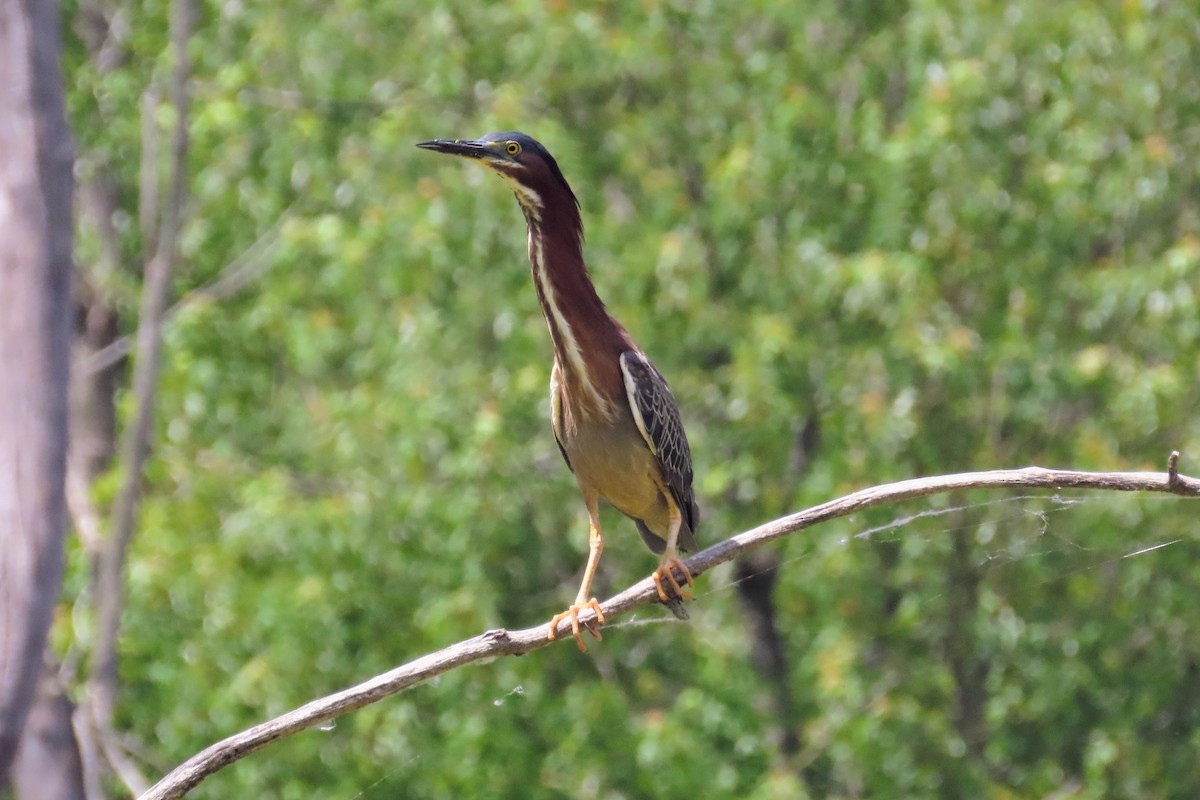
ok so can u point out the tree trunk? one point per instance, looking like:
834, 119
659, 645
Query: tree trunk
35, 259
47, 766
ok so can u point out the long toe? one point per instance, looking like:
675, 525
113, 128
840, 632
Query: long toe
577, 628
665, 574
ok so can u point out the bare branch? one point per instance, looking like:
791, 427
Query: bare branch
104, 31
105, 742
136, 439
240, 272
89, 754
502, 642
148, 173
85, 517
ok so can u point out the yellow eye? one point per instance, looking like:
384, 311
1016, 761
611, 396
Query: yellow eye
512, 148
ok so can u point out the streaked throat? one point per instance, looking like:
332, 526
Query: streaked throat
578, 381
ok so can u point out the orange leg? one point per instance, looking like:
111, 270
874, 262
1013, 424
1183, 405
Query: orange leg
582, 602
669, 561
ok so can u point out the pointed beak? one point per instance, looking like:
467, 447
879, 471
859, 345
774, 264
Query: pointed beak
457, 147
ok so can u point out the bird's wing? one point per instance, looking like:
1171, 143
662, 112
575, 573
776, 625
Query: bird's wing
657, 418
556, 413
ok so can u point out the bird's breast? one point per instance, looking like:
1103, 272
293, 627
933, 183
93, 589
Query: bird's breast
612, 458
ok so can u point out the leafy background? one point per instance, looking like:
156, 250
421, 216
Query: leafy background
864, 240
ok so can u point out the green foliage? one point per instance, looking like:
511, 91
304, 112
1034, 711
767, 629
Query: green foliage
950, 236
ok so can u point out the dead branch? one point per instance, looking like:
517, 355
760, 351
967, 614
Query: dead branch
502, 642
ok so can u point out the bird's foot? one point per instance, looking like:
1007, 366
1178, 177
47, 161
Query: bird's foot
592, 626
665, 574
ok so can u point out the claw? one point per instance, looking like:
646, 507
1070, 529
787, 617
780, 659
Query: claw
591, 626
665, 572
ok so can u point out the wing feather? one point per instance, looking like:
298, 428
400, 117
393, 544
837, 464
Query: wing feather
656, 415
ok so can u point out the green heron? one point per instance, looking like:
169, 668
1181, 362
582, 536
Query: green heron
614, 417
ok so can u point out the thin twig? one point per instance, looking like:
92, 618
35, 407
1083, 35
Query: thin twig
502, 642
148, 172
233, 277
107, 742
85, 517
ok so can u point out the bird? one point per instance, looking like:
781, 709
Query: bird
614, 417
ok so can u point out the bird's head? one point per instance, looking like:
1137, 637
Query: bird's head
520, 160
